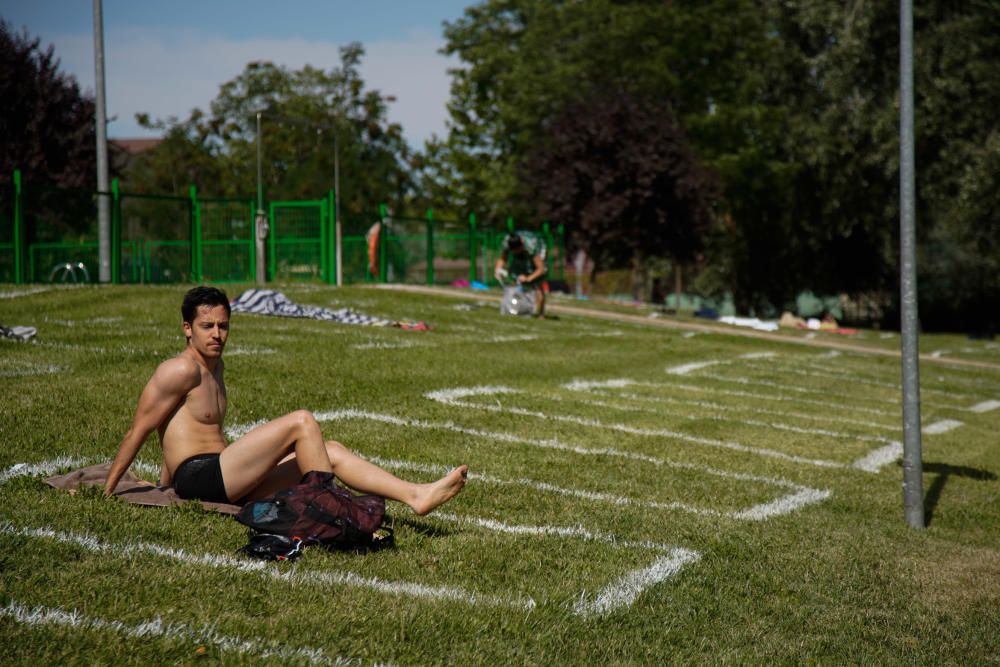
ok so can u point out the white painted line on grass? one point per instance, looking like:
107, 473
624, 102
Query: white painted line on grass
826, 373
879, 458
157, 628
625, 591
942, 426
29, 369
871, 463
297, 575
453, 397
23, 292
985, 406
793, 388
513, 338
620, 594
776, 397
618, 383
783, 505
684, 369
577, 532
49, 468
249, 349
749, 514
43, 468
710, 405
799, 498
741, 420
379, 345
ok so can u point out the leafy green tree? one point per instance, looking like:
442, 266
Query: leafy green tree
308, 115
46, 124
525, 62
618, 174
186, 156
838, 74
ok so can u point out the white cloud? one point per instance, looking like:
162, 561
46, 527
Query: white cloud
170, 72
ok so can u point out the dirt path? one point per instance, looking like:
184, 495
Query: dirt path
722, 329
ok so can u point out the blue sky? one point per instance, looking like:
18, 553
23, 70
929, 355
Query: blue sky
167, 58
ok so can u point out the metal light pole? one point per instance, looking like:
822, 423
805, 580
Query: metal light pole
336, 208
101, 121
260, 224
913, 488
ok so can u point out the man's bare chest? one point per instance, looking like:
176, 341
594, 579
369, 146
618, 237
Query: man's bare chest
207, 402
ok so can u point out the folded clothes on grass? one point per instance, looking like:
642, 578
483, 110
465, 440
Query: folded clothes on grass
270, 302
130, 488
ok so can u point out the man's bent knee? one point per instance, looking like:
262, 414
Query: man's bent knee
303, 419
335, 451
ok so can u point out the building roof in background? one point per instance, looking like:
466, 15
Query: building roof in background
136, 146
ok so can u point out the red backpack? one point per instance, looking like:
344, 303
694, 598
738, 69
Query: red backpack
315, 511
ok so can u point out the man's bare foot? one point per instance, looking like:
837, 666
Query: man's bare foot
437, 493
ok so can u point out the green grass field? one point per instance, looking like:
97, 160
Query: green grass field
639, 494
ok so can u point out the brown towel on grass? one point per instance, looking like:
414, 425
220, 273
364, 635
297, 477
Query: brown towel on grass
130, 488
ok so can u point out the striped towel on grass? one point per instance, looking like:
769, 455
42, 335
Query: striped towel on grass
270, 302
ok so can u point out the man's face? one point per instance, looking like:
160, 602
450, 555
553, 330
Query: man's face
208, 332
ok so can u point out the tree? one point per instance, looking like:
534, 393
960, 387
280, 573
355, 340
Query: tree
524, 62
618, 174
46, 124
838, 75
47, 131
306, 115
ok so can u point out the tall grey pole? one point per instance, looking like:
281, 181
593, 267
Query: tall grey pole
336, 208
260, 224
913, 488
101, 121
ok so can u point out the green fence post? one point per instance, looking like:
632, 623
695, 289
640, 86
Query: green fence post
472, 247
116, 232
510, 225
195, 236
18, 230
430, 246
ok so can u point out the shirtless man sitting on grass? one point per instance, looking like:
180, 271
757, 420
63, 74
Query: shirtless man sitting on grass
185, 402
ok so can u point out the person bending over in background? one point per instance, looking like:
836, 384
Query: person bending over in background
185, 403
523, 257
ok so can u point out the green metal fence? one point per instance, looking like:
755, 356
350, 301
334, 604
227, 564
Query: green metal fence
228, 251
298, 244
172, 239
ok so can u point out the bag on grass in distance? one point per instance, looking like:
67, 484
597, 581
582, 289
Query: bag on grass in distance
319, 511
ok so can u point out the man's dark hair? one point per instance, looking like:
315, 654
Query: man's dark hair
514, 242
203, 296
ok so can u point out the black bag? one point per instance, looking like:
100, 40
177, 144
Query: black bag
319, 511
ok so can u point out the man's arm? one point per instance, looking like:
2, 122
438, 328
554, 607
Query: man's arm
500, 270
165, 390
537, 273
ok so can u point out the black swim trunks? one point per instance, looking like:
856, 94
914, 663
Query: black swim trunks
200, 478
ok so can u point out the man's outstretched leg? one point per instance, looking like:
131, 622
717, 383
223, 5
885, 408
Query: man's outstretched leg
274, 456
367, 477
